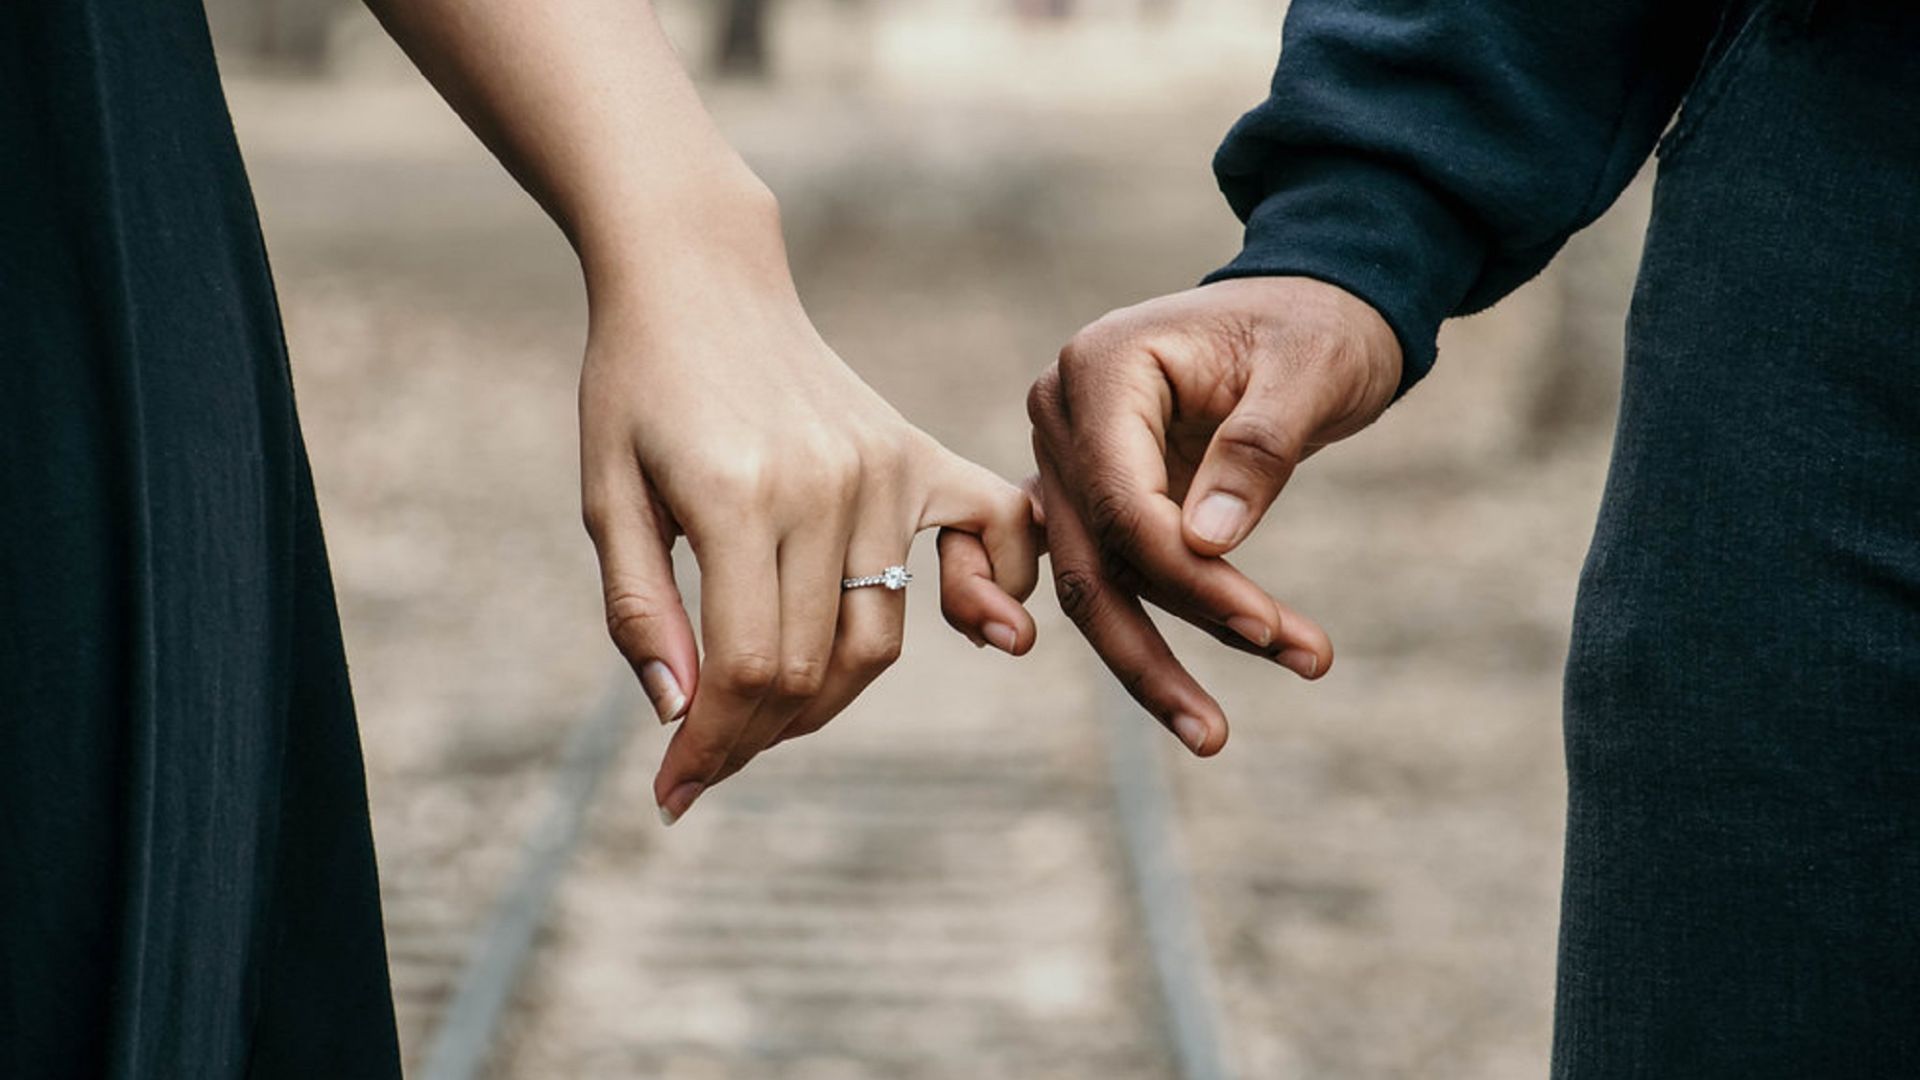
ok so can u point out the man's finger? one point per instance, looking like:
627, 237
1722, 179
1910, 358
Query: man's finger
1301, 646
1112, 477
645, 614
973, 602
1252, 454
1118, 628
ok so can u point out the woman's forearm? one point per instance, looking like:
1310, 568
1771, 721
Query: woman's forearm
586, 103
709, 405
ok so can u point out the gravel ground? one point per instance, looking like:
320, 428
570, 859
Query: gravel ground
932, 888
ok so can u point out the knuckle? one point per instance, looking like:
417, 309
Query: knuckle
801, 677
845, 469
1043, 399
1260, 442
1115, 519
878, 459
705, 758
1078, 588
833, 468
875, 654
1098, 338
748, 674
631, 617
1087, 356
596, 517
882, 444
1079, 349
1171, 350
734, 478
1091, 364
1013, 508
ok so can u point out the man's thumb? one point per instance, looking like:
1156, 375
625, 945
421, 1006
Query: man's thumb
1253, 452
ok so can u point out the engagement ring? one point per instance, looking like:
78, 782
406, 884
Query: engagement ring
894, 578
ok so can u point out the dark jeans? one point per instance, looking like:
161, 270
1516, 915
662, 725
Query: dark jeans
1742, 892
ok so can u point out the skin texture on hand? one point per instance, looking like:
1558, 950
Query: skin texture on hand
709, 406
1163, 433
720, 414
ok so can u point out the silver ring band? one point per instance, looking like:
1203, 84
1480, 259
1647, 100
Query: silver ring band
893, 579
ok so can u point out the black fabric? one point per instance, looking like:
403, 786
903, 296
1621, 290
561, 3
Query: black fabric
187, 886
1743, 694
1431, 157
1742, 893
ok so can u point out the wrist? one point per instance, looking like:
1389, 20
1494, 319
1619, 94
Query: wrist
724, 227
1369, 347
1343, 335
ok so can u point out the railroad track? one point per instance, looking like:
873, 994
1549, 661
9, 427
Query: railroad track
976, 906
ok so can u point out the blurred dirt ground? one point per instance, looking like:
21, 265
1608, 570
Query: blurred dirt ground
931, 887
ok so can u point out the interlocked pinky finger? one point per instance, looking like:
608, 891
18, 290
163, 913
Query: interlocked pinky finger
973, 602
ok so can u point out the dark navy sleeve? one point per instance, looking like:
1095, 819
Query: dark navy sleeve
1430, 157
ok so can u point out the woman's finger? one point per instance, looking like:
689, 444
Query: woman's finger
740, 628
971, 498
812, 565
989, 553
872, 626
973, 602
645, 614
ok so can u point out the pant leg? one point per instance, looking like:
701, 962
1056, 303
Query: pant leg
1742, 892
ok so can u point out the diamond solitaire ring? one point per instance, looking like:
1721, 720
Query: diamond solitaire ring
894, 578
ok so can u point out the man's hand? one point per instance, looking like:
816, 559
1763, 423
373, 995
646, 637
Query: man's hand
1163, 434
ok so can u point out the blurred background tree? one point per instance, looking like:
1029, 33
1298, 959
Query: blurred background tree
740, 47
293, 34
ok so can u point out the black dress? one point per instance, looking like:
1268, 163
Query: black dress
187, 884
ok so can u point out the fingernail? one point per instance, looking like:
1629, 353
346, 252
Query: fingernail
679, 800
1192, 731
1219, 518
1300, 662
1252, 629
663, 690
1002, 636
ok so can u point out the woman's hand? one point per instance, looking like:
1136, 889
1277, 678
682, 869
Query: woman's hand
710, 407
